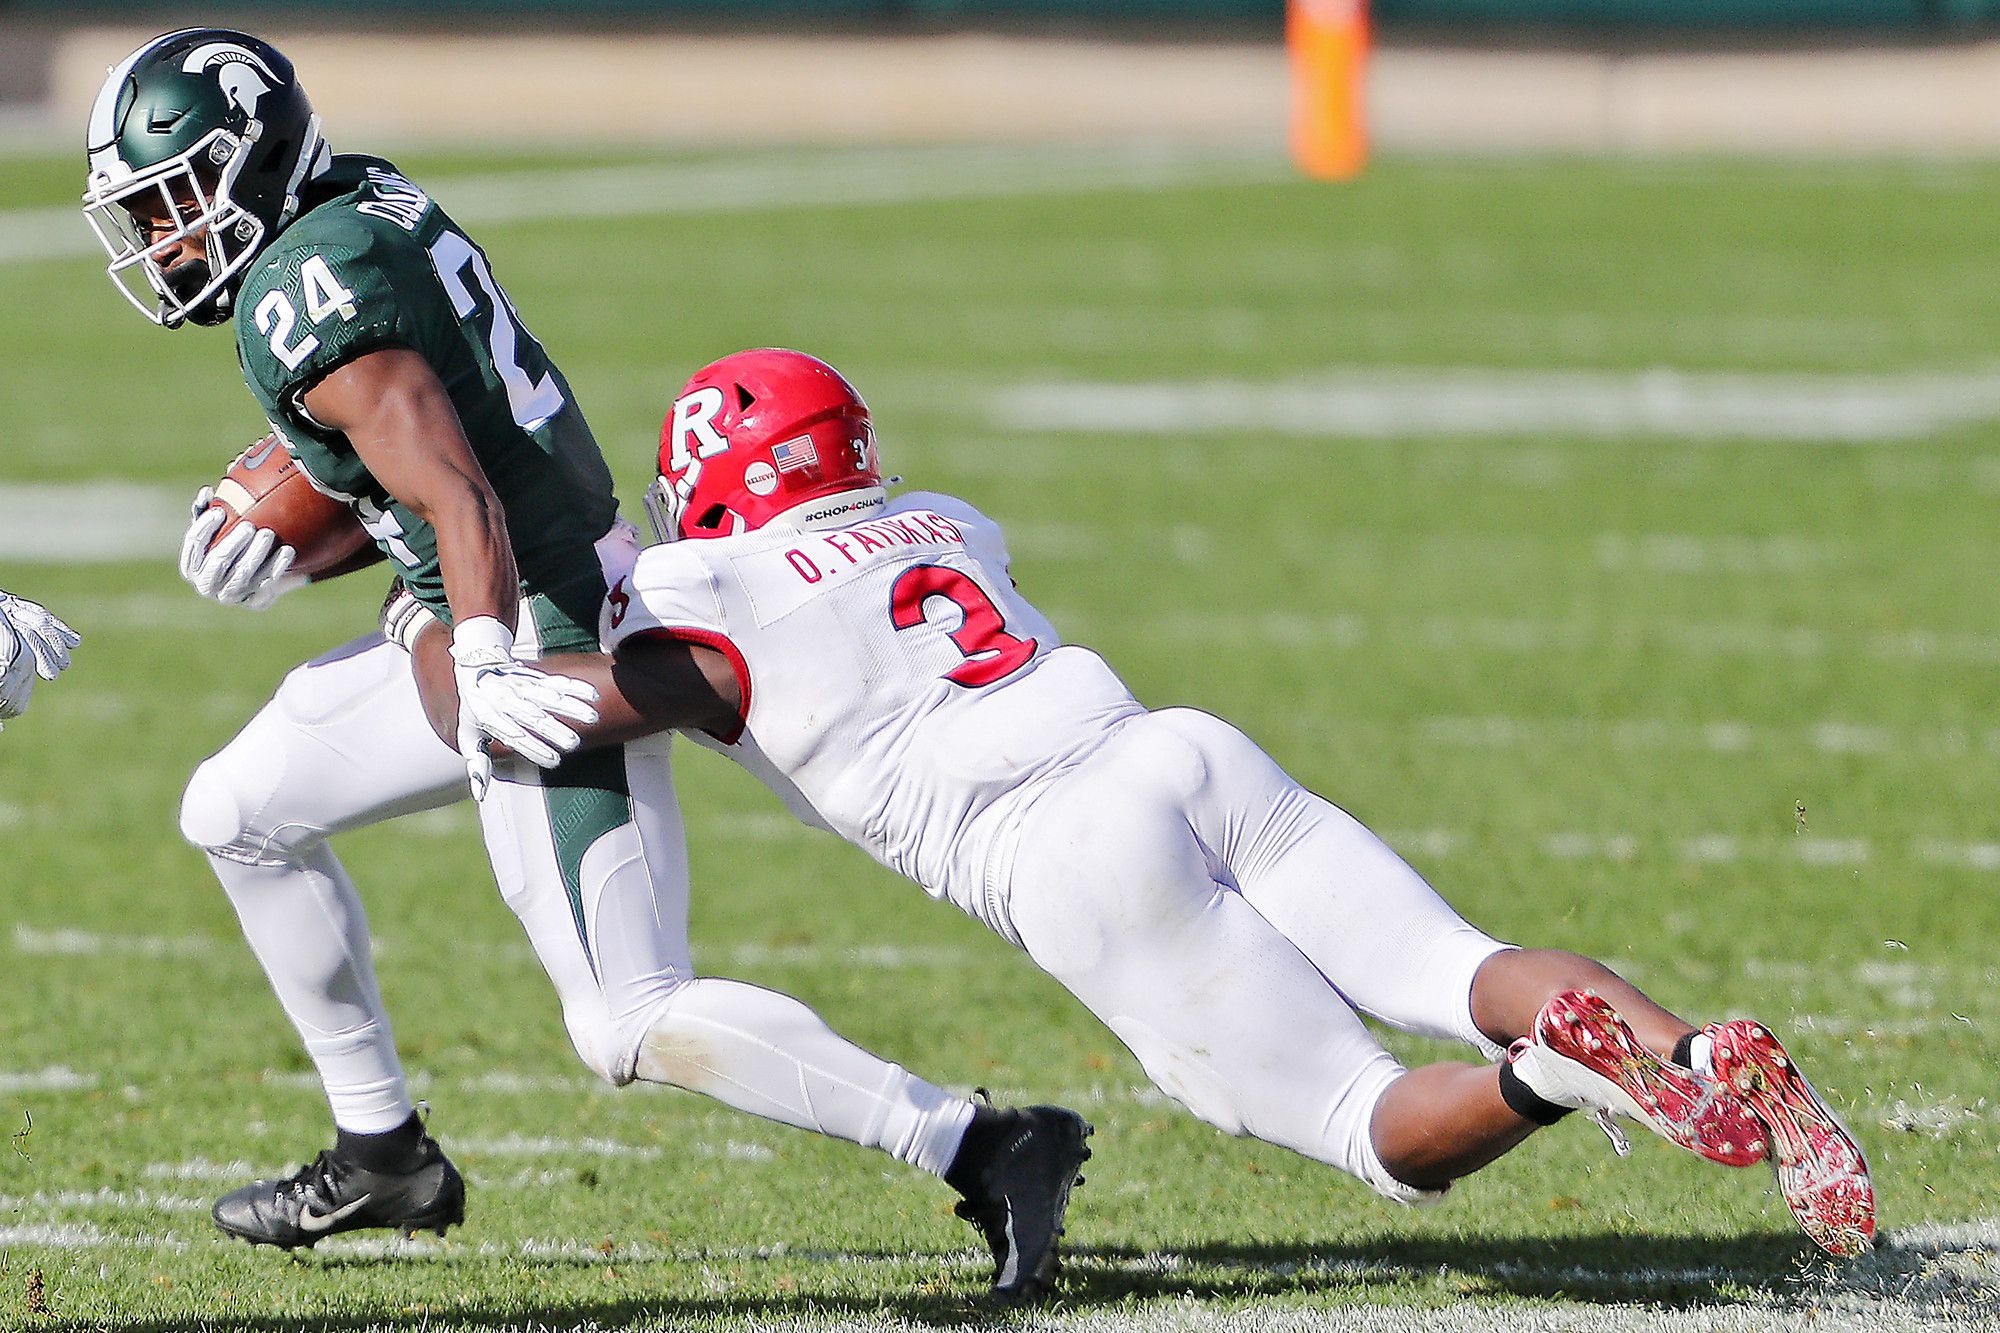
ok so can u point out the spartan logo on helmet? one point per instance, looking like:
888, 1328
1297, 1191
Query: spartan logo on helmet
200, 140
243, 77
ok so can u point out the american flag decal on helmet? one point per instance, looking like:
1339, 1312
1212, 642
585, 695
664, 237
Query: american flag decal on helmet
794, 454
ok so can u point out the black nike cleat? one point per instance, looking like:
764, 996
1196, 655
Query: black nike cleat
333, 1194
1018, 1189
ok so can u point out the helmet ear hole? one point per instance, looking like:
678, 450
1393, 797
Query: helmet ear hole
712, 518
744, 398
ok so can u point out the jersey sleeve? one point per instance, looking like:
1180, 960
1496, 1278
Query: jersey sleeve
671, 594
668, 589
316, 305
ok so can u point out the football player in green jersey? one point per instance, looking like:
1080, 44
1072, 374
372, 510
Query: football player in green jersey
376, 339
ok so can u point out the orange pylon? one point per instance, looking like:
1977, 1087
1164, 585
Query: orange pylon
1328, 42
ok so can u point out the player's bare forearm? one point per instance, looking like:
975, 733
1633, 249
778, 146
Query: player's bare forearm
649, 687
393, 409
361, 559
475, 556
430, 662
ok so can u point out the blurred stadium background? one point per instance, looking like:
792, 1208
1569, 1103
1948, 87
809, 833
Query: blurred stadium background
1818, 76
1596, 496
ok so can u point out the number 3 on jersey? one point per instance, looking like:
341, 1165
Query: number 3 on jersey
991, 653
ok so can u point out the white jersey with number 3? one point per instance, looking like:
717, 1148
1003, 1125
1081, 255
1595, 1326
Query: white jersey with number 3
897, 690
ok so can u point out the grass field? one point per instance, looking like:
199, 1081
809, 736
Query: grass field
1664, 627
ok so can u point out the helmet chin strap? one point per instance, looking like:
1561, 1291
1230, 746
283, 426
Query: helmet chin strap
314, 159
187, 278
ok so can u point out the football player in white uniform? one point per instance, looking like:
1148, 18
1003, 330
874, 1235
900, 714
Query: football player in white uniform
873, 663
33, 643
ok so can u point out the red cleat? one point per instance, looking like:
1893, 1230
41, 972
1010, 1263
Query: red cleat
1582, 1054
1821, 1171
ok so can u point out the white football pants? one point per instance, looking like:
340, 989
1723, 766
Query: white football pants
1227, 924
344, 743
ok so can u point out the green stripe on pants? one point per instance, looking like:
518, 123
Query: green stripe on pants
587, 796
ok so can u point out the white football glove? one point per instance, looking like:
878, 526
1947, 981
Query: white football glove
33, 642
499, 697
249, 568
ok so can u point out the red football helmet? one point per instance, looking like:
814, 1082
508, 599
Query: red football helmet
761, 437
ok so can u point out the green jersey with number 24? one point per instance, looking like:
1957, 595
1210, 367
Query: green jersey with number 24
373, 263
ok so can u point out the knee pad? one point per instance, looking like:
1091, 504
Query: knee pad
629, 1044
224, 810
227, 809
213, 819
599, 1044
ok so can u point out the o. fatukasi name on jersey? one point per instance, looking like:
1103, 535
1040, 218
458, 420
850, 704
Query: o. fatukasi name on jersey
897, 689
373, 262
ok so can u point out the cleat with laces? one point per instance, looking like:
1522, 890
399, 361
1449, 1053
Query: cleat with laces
1821, 1172
1018, 1192
332, 1194
1582, 1054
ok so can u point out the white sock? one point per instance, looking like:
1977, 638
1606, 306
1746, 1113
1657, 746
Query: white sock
306, 925
770, 1055
1549, 1076
1701, 1054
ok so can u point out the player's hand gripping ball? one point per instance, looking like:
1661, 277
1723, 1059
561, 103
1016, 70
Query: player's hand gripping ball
266, 488
263, 530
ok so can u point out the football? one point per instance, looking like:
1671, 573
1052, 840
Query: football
266, 487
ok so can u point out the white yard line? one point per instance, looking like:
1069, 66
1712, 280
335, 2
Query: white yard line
1389, 403
512, 1083
75, 942
1700, 554
522, 1145
1533, 636
69, 942
1830, 736
1934, 1119
1664, 553
54, 1078
80, 1236
181, 611
106, 523
106, 1200
873, 957
836, 177
1927, 1277
1703, 848
202, 1168
89, 523
1847, 1025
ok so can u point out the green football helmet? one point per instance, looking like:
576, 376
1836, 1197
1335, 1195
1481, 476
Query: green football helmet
208, 129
